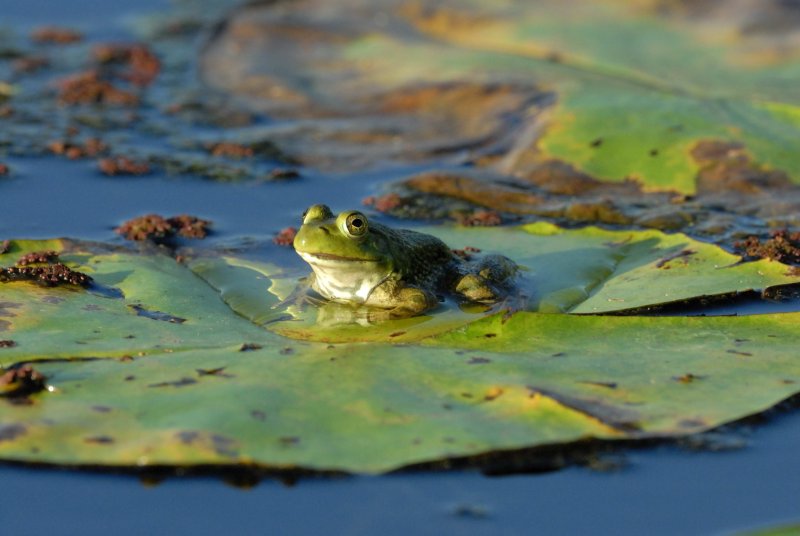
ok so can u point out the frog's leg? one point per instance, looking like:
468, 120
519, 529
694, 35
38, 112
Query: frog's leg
483, 282
397, 300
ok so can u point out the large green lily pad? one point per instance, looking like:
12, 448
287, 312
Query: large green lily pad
619, 90
538, 380
188, 392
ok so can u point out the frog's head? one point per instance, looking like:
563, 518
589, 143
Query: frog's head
348, 259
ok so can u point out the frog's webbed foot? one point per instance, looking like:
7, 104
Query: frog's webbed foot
411, 301
488, 281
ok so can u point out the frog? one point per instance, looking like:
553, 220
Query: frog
394, 273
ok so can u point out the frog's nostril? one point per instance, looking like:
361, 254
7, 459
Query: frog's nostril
325, 230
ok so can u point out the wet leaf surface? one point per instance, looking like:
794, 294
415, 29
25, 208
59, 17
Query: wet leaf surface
470, 385
541, 379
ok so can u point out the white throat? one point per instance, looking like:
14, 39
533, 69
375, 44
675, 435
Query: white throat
346, 280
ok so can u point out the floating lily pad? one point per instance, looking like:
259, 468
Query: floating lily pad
616, 89
532, 380
138, 303
197, 383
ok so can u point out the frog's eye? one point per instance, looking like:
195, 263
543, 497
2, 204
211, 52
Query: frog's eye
355, 224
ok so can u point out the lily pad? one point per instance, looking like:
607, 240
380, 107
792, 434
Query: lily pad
610, 87
537, 380
139, 303
195, 383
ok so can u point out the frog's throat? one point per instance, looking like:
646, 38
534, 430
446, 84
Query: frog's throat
346, 280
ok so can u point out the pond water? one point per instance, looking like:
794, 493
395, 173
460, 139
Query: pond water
660, 490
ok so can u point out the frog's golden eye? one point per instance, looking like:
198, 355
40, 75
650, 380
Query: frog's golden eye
355, 224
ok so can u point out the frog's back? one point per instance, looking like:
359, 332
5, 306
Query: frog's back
419, 258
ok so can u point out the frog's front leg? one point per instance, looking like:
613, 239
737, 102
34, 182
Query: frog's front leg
397, 300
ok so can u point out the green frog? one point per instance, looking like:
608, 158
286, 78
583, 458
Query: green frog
397, 272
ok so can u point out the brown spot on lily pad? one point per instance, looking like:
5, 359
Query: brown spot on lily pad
99, 440
219, 371
7, 343
183, 382
687, 378
682, 254
607, 385
249, 347
10, 432
478, 361
157, 315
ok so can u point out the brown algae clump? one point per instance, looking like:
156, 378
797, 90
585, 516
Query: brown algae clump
122, 165
50, 275
782, 246
43, 268
19, 382
158, 229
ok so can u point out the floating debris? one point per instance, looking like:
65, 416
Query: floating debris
122, 165
480, 218
19, 382
157, 228
38, 257
230, 150
143, 66
285, 237
384, 203
90, 88
55, 35
49, 276
782, 246
90, 148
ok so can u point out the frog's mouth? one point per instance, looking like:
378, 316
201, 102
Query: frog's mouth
314, 258
345, 278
